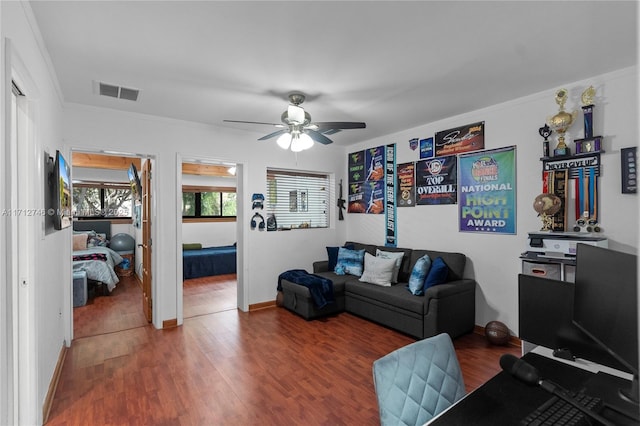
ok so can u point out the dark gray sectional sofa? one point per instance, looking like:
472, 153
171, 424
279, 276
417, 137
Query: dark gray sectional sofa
445, 308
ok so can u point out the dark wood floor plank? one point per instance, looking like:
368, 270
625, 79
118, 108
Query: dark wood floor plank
228, 368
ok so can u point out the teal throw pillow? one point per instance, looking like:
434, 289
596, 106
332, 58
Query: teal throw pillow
332, 254
350, 261
419, 274
437, 274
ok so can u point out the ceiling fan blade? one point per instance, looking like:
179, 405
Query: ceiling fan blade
318, 137
326, 125
254, 122
274, 134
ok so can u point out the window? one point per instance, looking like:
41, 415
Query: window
91, 200
208, 202
298, 199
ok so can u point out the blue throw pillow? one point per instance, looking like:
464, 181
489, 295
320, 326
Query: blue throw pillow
350, 261
419, 274
332, 253
438, 273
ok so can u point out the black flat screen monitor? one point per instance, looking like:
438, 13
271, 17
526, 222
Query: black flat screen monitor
606, 306
545, 310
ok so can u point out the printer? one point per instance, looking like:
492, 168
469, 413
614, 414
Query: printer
560, 245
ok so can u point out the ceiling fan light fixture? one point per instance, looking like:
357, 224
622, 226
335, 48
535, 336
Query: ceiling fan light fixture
295, 114
297, 145
284, 141
305, 141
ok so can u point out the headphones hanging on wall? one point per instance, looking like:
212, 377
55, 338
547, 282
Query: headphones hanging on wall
260, 225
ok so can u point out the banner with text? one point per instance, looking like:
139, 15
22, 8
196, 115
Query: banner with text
436, 181
487, 191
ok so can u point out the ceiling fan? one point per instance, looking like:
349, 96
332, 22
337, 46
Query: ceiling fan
297, 131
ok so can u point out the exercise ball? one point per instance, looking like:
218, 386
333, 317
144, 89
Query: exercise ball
122, 242
497, 333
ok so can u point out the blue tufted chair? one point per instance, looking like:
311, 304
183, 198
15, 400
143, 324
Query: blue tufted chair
418, 381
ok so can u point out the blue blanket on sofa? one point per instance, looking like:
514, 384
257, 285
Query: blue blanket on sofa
321, 288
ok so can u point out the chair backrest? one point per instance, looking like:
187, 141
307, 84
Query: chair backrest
418, 381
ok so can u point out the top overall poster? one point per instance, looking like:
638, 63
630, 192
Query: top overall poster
461, 139
487, 191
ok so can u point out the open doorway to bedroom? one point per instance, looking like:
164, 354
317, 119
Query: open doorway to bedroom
108, 257
209, 237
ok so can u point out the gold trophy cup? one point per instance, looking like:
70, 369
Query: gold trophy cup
561, 122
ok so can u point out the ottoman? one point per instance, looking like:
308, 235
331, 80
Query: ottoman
298, 299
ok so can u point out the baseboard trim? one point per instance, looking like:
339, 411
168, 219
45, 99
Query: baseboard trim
513, 340
262, 305
170, 323
51, 392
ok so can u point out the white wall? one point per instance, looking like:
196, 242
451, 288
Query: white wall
493, 260
265, 254
47, 275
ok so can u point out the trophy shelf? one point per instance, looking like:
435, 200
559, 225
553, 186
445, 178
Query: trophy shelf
568, 157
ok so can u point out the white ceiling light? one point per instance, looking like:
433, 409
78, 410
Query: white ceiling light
284, 141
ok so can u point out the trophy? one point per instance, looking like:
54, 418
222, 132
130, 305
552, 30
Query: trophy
546, 205
545, 132
589, 143
560, 123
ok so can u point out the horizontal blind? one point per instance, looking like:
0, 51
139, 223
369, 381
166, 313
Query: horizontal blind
298, 199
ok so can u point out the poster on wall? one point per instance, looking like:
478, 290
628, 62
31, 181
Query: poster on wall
436, 181
374, 161
356, 178
374, 188
366, 181
461, 139
487, 191
390, 207
406, 192
426, 148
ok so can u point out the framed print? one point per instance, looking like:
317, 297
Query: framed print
487, 191
461, 139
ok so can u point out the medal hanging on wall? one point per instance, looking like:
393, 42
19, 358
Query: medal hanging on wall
586, 207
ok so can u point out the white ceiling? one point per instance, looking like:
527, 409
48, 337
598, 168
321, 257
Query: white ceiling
393, 65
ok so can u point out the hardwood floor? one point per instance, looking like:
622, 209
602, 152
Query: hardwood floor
117, 311
207, 295
229, 368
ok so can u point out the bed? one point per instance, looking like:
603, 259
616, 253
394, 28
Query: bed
208, 261
97, 260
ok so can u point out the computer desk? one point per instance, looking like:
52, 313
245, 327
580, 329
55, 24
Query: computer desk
505, 400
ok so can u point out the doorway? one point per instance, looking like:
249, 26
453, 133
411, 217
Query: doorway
210, 196
108, 181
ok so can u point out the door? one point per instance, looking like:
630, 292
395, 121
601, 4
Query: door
146, 240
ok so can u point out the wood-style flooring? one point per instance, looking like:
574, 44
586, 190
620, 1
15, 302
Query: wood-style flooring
235, 368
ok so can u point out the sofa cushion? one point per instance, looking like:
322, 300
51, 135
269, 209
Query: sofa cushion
350, 262
397, 256
338, 280
378, 270
369, 248
332, 254
437, 274
455, 261
419, 274
396, 295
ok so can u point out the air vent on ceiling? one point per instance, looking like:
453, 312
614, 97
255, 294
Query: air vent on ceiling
113, 91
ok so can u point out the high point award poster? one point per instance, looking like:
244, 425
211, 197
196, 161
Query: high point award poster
487, 191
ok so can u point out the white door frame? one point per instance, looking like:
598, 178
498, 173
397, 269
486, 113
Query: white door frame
242, 248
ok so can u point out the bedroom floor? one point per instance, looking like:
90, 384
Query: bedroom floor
207, 295
122, 309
